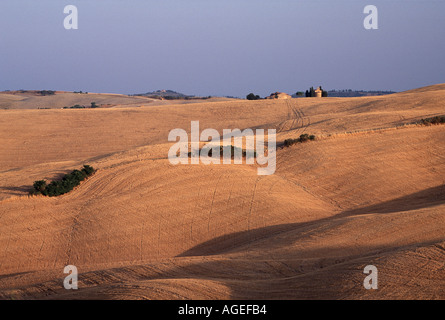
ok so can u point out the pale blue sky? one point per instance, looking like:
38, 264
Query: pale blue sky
221, 47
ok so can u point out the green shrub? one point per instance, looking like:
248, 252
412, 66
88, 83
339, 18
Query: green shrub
433, 121
68, 182
46, 92
38, 187
88, 170
303, 138
252, 96
232, 151
76, 106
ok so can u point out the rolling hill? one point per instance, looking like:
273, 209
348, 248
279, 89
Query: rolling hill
369, 190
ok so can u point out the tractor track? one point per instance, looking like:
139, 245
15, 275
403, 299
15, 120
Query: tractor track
296, 120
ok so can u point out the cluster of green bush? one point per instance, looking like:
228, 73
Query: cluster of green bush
433, 120
77, 106
68, 182
252, 96
46, 92
197, 98
232, 150
181, 97
303, 138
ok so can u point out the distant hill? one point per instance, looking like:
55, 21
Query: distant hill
349, 93
168, 95
164, 93
356, 93
44, 99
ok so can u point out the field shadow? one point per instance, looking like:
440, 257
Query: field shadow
236, 241
17, 190
423, 199
233, 242
304, 273
339, 276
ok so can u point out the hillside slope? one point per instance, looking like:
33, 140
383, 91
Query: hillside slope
368, 191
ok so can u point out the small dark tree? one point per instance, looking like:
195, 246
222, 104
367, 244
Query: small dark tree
434, 120
39, 186
252, 96
304, 137
312, 92
88, 170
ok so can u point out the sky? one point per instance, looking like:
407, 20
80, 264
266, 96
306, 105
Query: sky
221, 47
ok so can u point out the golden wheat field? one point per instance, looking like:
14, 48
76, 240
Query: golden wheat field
370, 190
